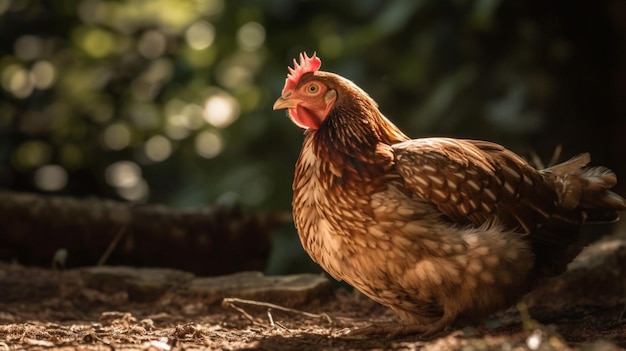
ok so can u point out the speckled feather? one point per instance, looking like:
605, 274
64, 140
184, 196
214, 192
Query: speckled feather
437, 229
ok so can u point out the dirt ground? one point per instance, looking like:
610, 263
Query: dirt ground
48, 309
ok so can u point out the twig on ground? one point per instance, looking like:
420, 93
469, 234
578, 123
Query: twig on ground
230, 301
275, 324
243, 312
282, 326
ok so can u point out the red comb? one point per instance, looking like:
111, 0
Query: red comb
306, 65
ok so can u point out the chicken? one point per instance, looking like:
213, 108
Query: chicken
439, 230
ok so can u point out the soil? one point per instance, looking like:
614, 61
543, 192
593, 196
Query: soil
50, 309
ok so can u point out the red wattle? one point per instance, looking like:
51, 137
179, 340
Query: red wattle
304, 118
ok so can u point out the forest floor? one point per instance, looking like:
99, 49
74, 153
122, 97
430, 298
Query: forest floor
121, 308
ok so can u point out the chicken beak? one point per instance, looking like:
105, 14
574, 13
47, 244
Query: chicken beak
285, 103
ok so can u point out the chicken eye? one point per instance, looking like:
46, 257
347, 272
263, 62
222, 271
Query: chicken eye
313, 88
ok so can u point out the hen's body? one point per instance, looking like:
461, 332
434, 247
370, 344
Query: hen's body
436, 229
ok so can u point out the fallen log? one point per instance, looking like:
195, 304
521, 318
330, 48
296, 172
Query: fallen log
66, 231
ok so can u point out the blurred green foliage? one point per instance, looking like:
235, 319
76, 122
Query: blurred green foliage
170, 100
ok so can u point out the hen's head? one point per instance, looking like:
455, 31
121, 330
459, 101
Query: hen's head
306, 94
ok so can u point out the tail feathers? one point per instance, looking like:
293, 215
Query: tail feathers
599, 204
600, 176
584, 197
574, 164
587, 189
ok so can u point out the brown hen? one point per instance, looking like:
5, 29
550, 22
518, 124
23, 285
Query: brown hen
437, 229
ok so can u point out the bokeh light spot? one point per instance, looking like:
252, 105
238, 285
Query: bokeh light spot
158, 148
42, 74
174, 106
126, 178
208, 144
200, 35
234, 76
221, 109
16, 80
251, 36
116, 136
97, 42
176, 132
193, 116
176, 127
123, 174
50, 178
137, 193
152, 44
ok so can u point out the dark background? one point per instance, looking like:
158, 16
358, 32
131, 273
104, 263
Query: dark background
169, 101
